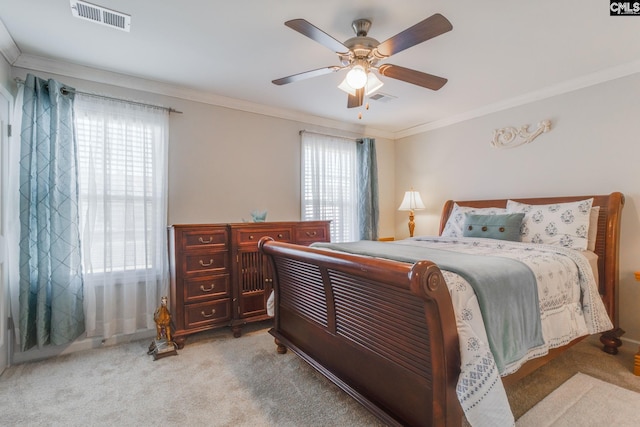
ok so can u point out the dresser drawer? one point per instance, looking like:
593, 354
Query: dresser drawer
305, 235
206, 287
210, 238
251, 237
206, 262
202, 314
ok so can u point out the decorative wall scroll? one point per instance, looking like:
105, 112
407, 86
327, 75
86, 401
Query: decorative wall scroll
506, 137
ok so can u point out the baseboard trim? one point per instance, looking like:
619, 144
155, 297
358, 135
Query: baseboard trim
80, 344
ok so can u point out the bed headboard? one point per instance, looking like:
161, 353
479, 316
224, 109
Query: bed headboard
607, 240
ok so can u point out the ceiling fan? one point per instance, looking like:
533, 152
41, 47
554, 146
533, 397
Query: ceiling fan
360, 54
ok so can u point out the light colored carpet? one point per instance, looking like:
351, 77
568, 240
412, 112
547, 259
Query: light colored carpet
218, 380
585, 401
585, 357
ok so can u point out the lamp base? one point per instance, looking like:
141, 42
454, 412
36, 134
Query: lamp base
412, 224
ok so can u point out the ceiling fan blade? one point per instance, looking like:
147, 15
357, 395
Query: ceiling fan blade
412, 76
431, 27
305, 75
314, 33
357, 99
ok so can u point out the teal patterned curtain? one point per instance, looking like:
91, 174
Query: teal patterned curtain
51, 284
367, 189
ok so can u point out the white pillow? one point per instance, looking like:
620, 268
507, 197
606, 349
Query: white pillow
455, 223
562, 224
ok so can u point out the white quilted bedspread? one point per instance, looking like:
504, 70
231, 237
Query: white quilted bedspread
570, 307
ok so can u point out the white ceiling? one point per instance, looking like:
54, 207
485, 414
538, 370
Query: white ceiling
499, 53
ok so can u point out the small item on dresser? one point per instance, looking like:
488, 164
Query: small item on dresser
162, 345
259, 216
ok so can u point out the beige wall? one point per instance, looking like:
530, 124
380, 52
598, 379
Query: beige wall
592, 148
224, 163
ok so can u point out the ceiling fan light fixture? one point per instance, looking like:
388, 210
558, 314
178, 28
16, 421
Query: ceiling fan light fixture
357, 77
373, 83
344, 86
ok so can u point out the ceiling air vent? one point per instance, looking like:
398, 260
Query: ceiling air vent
382, 97
100, 15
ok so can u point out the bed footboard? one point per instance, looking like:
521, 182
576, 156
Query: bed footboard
382, 331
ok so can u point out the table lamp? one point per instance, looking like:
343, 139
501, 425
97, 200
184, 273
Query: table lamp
411, 202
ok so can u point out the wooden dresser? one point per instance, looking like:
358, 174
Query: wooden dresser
200, 293
218, 276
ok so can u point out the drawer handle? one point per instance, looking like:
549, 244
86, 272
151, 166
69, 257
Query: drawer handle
202, 288
201, 240
206, 265
312, 234
251, 237
213, 311
280, 236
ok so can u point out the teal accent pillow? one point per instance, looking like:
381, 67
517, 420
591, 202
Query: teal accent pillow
501, 227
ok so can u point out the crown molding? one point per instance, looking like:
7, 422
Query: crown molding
551, 91
11, 52
8, 47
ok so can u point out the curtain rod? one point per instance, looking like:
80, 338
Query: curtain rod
333, 136
66, 90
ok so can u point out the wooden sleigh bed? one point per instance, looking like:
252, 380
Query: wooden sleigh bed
385, 331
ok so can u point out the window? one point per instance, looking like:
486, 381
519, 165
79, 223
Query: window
329, 186
122, 184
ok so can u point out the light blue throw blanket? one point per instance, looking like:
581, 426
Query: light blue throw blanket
506, 289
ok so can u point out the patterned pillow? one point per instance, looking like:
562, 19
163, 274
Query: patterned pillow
562, 224
455, 223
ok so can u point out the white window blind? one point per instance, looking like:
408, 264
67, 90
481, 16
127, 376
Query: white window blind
118, 177
329, 190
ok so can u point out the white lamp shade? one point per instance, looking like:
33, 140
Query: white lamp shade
357, 77
411, 202
344, 86
373, 83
